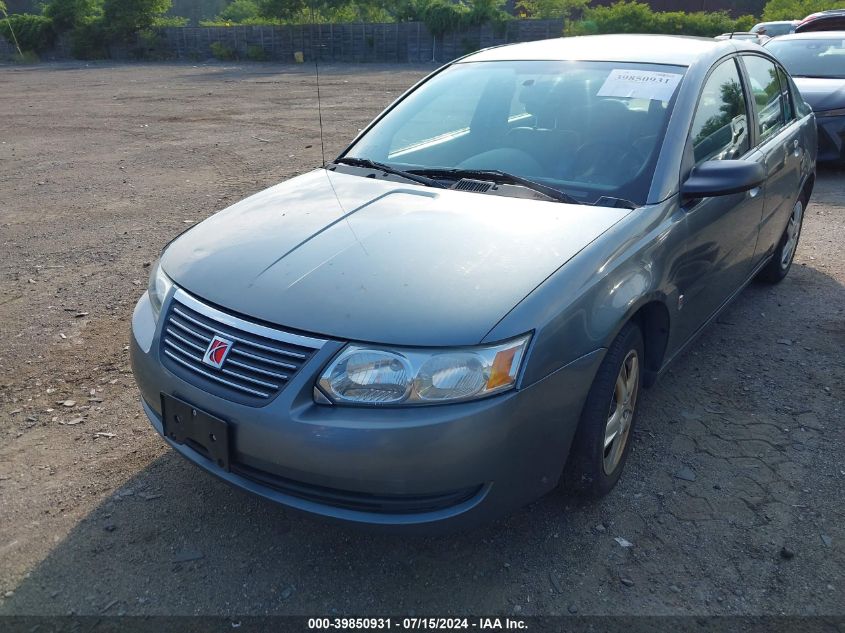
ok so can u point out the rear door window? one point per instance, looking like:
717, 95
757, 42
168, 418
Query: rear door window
768, 96
788, 102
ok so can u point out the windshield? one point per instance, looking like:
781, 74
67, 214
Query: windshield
588, 129
811, 58
773, 29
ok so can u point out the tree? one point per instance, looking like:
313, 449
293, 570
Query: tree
404, 10
239, 11
11, 29
124, 18
69, 14
796, 9
281, 9
28, 32
483, 11
551, 9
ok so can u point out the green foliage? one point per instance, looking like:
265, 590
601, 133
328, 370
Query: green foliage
223, 52
405, 10
796, 9
745, 22
551, 9
90, 41
170, 20
280, 9
637, 17
68, 14
321, 11
11, 37
443, 16
151, 44
256, 54
197, 10
126, 17
440, 15
27, 57
259, 21
622, 17
239, 11
484, 11
352, 11
34, 33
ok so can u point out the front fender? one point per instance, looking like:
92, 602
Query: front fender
585, 303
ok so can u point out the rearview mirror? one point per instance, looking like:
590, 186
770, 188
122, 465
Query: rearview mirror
722, 178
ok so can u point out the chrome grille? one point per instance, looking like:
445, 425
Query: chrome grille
260, 361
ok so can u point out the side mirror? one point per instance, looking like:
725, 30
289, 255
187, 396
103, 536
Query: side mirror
722, 178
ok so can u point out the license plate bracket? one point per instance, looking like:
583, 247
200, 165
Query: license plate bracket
205, 433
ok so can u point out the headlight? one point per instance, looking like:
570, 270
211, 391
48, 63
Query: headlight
158, 287
839, 112
370, 375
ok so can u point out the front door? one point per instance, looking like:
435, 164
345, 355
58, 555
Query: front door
722, 230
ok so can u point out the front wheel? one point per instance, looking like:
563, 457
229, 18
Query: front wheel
781, 261
602, 441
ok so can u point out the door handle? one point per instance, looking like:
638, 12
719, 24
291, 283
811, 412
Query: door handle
753, 193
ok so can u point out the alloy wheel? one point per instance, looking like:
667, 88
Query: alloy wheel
793, 229
621, 413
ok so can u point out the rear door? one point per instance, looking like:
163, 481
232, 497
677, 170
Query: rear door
778, 137
723, 229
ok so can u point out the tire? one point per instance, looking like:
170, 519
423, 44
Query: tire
781, 261
593, 468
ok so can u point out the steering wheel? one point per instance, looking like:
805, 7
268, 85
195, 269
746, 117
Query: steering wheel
596, 160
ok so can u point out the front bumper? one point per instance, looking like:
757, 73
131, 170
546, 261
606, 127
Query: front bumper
445, 465
831, 138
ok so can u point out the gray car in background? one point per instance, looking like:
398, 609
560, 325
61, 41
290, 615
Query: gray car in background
775, 29
816, 61
459, 313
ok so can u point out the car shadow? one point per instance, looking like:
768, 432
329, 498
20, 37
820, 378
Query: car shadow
175, 540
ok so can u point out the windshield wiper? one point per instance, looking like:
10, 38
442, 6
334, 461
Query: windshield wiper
371, 164
501, 177
614, 203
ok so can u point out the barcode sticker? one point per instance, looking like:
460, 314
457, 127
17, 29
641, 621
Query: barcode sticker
640, 84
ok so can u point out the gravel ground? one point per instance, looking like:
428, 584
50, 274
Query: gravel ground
732, 498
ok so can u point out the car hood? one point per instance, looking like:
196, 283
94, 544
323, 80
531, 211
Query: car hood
373, 260
822, 94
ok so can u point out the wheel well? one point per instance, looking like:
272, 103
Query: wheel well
807, 190
653, 320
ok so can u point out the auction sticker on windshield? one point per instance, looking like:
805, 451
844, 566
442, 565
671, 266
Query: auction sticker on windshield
640, 84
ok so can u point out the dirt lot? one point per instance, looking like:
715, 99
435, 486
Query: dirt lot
732, 497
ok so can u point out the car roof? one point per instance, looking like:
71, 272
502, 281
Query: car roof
822, 21
646, 49
811, 35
